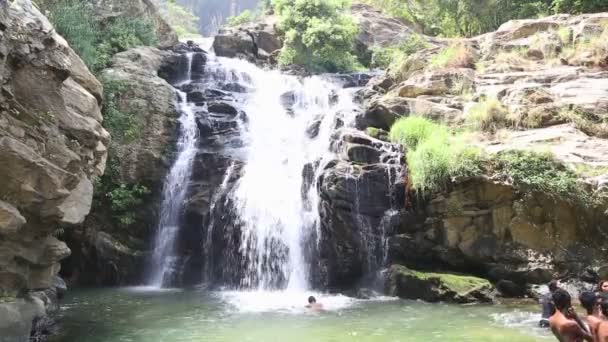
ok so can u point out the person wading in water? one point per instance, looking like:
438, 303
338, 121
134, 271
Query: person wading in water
591, 302
565, 323
546, 303
602, 329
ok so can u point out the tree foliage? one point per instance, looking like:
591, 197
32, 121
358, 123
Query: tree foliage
245, 17
319, 34
96, 42
467, 18
180, 18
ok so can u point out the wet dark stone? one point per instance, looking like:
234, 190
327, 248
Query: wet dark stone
510, 289
235, 88
313, 129
196, 96
288, 99
363, 154
174, 68
222, 107
198, 65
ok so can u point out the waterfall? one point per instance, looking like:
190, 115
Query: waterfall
289, 125
174, 191
255, 143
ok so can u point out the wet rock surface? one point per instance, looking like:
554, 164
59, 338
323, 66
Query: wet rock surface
435, 287
485, 226
359, 192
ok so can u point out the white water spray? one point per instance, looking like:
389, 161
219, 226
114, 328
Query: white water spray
174, 191
268, 200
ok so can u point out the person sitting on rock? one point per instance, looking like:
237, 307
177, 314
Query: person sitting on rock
313, 305
565, 323
546, 304
590, 301
602, 329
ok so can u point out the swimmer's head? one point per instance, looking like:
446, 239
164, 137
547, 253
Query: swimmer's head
588, 300
312, 300
561, 299
552, 285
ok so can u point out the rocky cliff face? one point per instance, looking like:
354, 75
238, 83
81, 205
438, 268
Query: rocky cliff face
106, 251
548, 77
361, 193
52, 146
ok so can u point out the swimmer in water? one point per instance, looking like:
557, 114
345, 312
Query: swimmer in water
565, 323
546, 303
313, 305
590, 301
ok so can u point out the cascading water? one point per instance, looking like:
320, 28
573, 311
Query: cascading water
174, 191
289, 126
266, 139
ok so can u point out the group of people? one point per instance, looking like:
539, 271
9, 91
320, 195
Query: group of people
565, 323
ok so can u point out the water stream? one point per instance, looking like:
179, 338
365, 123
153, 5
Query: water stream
174, 191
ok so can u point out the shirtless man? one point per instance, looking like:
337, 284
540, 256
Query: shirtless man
313, 305
602, 330
546, 303
565, 323
589, 300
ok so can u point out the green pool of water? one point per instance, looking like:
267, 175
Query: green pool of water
140, 315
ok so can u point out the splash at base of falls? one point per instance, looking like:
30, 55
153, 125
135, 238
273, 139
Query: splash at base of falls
288, 301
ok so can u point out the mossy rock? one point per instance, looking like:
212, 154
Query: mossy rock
377, 133
436, 287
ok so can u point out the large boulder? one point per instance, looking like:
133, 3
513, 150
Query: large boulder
435, 287
252, 41
382, 112
52, 146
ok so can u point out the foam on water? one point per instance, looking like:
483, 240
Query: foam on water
283, 301
151, 289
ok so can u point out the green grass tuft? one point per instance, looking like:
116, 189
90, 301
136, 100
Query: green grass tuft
414, 129
541, 172
487, 115
454, 56
435, 155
